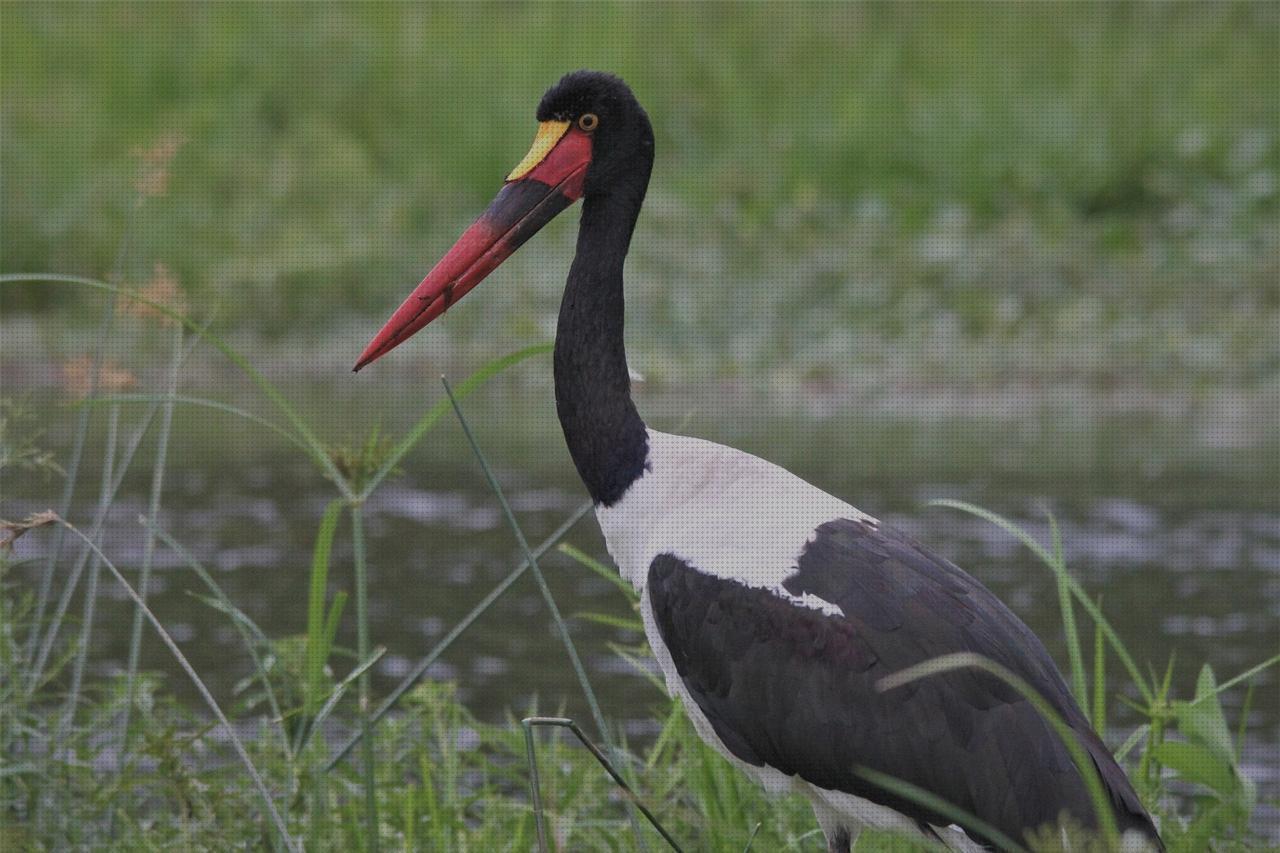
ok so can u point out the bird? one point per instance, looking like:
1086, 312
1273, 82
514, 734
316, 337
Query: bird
774, 609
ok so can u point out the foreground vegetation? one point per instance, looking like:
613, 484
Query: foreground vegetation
131, 768
301, 756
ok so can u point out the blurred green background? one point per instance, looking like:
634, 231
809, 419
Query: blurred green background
1078, 188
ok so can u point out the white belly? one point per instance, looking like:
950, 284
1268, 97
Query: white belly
730, 514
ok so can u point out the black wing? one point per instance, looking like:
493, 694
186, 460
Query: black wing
794, 688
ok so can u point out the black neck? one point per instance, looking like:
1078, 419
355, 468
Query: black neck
602, 428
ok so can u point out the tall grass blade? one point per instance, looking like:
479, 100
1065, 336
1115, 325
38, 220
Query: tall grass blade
218, 405
1242, 727
1084, 764
106, 497
81, 434
259, 783
245, 626
362, 652
1232, 682
45, 589
1122, 652
1099, 719
317, 649
149, 546
91, 591
465, 387
342, 686
599, 568
563, 722
535, 786
1074, 654
334, 619
561, 627
45, 648
932, 801
1132, 741
420, 669
669, 731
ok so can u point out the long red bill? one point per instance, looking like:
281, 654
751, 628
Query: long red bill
520, 209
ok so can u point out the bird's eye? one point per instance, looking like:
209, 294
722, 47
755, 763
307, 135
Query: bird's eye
588, 121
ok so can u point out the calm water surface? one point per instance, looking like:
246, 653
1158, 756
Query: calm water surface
1188, 568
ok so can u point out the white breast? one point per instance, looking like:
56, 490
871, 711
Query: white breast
725, 512
732, 515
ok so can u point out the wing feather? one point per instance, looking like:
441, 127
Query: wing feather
793, 687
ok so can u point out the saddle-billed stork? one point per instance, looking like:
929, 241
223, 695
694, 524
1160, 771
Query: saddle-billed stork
772, 607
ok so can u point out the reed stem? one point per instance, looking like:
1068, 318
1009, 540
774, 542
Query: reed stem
149, 547
362, 652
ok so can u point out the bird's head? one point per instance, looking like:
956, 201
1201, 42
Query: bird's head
593, 140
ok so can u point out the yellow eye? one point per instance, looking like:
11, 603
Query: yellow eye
588, 121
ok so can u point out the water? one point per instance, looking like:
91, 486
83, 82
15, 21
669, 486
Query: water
1187, 565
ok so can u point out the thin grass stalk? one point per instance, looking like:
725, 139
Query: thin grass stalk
932, 801
317, 650
41, 661
1084, 764
565, 723
1232, 682
318, 825
149, 546
320, 627
1099, 680
45, 588
36, 671
1074, 655
82, 429
419, 429
561, 626
81, 436
319, 780
668, 731
202, 402
362, 652
272, 812
1122, 652
1132, 741
340, 689
239, 619
55, 623
535, 786
1243, 727
91, 591
420, 669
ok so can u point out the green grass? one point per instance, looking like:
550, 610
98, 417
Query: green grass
1094, 162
